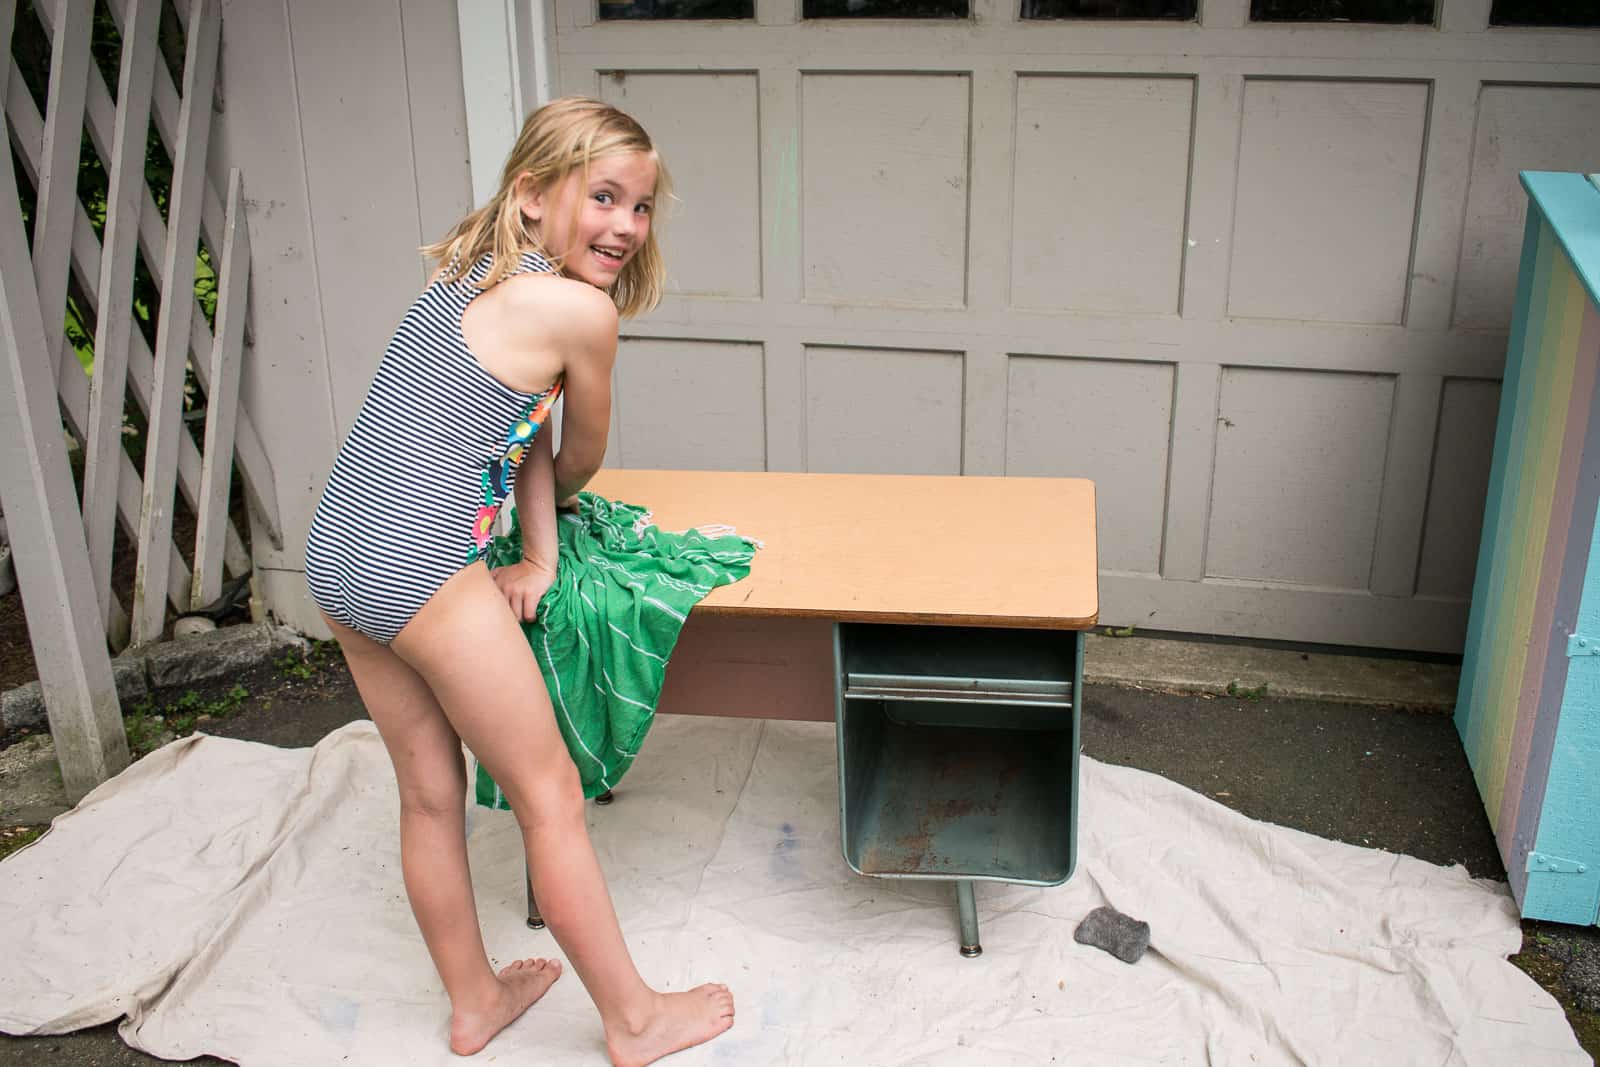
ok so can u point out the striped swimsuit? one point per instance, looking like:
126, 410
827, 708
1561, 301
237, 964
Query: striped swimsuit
417, 484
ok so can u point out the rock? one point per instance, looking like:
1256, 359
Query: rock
231, 650
183, 662
1582, 976
24, 705
190, 625
30, 782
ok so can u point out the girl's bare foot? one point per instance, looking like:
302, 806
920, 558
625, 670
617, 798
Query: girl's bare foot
522, 983
679, 1021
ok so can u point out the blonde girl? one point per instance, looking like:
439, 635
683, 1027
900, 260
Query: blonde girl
523, 310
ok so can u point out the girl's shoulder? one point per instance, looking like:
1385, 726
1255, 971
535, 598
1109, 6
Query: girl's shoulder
564, 306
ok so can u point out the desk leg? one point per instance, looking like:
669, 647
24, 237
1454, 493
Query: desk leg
535, 920
968, 905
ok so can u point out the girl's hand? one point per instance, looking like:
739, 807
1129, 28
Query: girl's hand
524, 584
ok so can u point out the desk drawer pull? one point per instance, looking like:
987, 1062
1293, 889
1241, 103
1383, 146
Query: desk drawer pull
863, 686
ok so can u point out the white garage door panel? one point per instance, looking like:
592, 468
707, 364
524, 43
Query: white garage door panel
705, 127
1457, 489
1299, 470
873, 411
1101, 182
1254, 280
1327, 200
884, 188
1520, 127
689, 406
1104, 420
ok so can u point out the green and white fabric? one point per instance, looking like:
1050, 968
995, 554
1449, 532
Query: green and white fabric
605, 630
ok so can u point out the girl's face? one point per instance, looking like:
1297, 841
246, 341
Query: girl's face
598, 226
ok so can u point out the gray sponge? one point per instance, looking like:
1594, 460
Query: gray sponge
1107, 928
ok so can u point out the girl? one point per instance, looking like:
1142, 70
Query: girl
523, 310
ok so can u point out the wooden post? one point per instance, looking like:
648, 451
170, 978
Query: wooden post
103, 451
42, 518
222, 402
58, 173
172, 328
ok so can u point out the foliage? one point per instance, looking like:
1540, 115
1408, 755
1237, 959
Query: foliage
303, 666
13, 838
31, 51
148, 728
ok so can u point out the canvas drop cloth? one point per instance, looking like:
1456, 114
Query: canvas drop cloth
246, 901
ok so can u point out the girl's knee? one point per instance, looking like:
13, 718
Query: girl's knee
444, 799
547, 801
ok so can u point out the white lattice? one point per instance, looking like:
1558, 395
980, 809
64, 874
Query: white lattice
64, 565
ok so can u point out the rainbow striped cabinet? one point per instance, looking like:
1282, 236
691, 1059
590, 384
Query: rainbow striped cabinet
1528, 710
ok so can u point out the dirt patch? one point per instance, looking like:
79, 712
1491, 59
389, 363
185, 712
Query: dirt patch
1565, 961
16, 651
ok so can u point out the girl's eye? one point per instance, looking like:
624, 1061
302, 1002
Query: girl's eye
604, 198
643, 209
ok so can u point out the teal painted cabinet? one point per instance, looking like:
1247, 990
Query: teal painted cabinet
1528, 710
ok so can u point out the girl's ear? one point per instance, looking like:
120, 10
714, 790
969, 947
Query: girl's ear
530, 200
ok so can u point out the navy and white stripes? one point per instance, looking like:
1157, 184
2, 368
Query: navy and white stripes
417, 482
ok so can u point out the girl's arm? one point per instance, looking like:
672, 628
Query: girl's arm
524, 583
589, 347
536, 504
559, 327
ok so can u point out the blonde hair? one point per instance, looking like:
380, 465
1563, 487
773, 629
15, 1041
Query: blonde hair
559, 139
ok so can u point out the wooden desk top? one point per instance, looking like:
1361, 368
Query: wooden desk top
966, 551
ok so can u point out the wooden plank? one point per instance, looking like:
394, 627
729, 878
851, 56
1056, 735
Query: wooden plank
73, 384
891, 548
1538, 456
1105, 420
366, 275
1487, 643
783, 362
1571, 524
781, 258
1213, 174
286, 392
993, 132
7, 17
1413, 428
494, 110
438, 120
1191, 463
36, 493
172, 330
1442, 200
114, 315
58, 173
222, 402
1541, 755
255, 469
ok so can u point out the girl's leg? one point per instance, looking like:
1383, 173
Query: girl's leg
433, 849
475, 659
